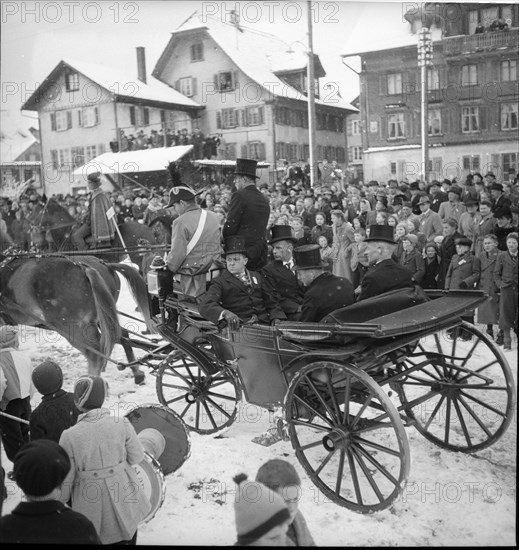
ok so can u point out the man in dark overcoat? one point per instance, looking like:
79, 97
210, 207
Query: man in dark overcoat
239, 294
324, 292
248, 214
447, 248
384, 273
279, 274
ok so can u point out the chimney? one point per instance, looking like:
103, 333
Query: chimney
141, 64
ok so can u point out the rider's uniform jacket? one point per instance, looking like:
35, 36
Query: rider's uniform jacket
103, 230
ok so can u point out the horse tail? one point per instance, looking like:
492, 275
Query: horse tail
106, 308
139, 291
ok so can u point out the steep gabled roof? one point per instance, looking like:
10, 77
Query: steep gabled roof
262, 57
123, 85
15, 136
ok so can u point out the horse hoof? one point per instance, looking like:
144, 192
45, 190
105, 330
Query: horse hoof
139, 379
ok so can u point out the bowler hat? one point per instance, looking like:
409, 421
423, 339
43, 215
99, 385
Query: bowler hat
308, 256
414, 185
490, 174
47, 377
40, 466
234, 245
246, 167
180, 193
94, 177
380, 233
464, 241
455, 189
497, 186
281, 233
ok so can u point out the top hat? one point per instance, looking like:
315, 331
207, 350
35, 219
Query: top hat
380, 233
308, 256
180, 193
497, 187
246, 167
234, 245
94, 177
281, 233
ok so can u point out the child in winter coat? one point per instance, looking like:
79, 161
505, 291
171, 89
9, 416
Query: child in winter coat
57, 410
432, 266
280, 476
488, 312
411, 259
327, 253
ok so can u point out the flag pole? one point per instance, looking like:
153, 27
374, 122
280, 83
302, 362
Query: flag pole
110, 214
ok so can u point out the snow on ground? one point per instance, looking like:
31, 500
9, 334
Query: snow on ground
450, 498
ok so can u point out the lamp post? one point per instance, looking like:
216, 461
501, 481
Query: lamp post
424, 62
311, 100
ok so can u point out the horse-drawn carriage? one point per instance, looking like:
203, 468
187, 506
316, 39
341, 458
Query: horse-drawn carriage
348, 386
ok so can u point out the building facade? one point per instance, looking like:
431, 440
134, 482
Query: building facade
355, 164
472, 97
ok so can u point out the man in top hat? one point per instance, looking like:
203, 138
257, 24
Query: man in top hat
499, 199
195, 241
239, 295
452, 208
324, 292
279, 274
430, 222
96, 222
384, 273
248, 214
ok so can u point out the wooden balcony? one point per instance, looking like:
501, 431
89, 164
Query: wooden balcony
475, 43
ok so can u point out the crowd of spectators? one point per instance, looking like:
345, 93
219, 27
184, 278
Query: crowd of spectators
498, 24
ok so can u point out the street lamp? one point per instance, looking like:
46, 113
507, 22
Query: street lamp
424, 62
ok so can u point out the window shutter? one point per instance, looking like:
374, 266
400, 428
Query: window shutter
235, 118
244, 150
132, 115
69, 120
146, 113
235, 79
244, 117
53, 122
218, 119
96, 114
177, 85
162, 116
54, 158
382, 84
260, 110
262, 151
193, 54
101, 148
483, 122
80, 118
444, 121
194, 86
216, 82
383, 127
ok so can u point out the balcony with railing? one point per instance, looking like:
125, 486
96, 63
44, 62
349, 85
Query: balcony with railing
489, 41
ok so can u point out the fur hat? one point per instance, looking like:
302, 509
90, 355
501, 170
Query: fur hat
257, 510
8, 336
47, 377
40, 466
89, 392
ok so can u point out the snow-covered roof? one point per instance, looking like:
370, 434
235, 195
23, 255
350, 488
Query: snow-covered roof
15, 136
257, 54
117, 81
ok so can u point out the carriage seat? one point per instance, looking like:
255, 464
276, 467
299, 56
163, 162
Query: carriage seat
378, 306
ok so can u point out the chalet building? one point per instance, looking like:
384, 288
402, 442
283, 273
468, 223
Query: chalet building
472, 96
82, 107
254, 89
354, 168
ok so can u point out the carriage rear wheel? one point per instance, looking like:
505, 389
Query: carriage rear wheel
461, 393
347, 435
205, 399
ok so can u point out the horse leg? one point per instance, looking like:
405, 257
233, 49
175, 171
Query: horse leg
138, 375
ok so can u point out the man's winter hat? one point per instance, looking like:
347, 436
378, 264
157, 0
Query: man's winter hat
497, 187
414, 185
40, 466
380, 233
89, 392
94, 177
234, 245
8, 336
413, 239
47, 377
455, 189
246, 167
490, 174
424, 199
180, 193
308, 256
257, 510
465, 241
281, 233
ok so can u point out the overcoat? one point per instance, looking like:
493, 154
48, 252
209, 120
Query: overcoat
447, 251
414, 262
505, 274
488, 311
279, 279
102, 483
465, 268
53, 416
343, 236
382, 277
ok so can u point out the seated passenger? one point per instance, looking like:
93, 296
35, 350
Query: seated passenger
279, 274
384, 273
325, 292
239, 294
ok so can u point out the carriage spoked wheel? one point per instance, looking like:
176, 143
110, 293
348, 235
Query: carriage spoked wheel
205, 398
461, 393
347, 435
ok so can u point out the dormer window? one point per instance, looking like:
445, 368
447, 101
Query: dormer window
72, 82
197, 52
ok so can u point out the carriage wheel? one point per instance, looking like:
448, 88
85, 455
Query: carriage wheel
206, 402
461, 397
347, 435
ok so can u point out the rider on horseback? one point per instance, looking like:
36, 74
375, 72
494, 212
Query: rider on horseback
96, 222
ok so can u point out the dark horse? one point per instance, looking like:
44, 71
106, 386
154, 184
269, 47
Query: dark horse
54, 218
75, 297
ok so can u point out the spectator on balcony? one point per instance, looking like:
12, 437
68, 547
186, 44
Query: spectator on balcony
124, 142
480, 29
